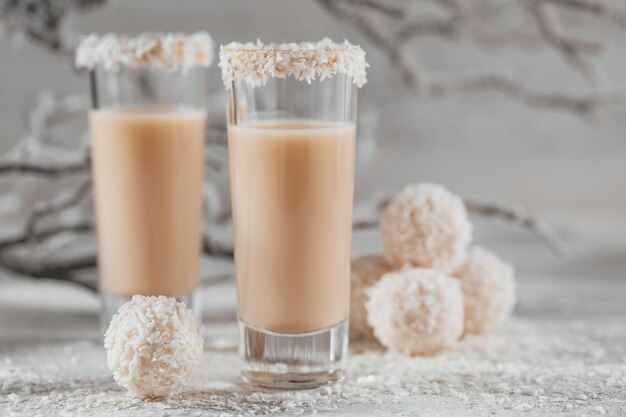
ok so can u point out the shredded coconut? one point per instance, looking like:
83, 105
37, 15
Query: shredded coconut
153, 346
545, 367
416, 311
256, 63
489, 290
170, 51
365, 272
426, 226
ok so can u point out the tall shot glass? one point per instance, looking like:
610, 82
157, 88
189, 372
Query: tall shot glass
291, 140
147, 130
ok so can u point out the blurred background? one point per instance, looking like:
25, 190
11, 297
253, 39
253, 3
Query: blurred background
519, 102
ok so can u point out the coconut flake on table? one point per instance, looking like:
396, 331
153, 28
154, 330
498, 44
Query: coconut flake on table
257, 62
168, 51
527, 365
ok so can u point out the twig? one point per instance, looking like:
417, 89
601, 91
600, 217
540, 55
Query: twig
514, 216
42, 20
567, 48
66, 269
364, 224
375, 37
43, 235
582, 105
601, 10
48, 208
51, 172
519, 217
61, 270
213, 249
459, 22
216, 136
379, 6
445, 28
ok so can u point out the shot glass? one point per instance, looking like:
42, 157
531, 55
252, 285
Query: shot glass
147, 130
291, 142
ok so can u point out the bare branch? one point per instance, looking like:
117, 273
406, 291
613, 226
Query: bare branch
519, 38
568, 49
214, 249
61, 270
593, 7
363, 224
51, 172
47, 208
460, 21
513, 216
43, 235
519, 217
379, 6
582, 105
361, 23
216, 136
426, 27
66, 269
42, 20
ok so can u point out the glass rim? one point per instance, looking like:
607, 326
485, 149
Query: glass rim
305, 61
168, 51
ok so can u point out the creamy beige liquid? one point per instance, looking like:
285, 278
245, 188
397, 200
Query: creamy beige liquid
148, 168
292, 191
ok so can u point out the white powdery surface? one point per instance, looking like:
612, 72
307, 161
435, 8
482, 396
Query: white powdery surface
576, 368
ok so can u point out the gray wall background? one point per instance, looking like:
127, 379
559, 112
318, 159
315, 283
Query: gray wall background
484, 146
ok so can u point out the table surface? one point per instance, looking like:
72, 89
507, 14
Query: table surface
563, 352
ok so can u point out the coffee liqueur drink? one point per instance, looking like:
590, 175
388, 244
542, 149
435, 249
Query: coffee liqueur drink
291, 139
292, 187
147, 166
147, 129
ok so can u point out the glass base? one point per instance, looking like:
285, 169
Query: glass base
293, 361
110, 303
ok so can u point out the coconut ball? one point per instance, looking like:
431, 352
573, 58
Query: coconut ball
489, 289
426, 226
153, 346
366, 271
416, 311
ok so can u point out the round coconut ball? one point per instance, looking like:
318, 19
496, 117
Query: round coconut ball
426, 226
416, 311
366, 271
489, 289
153, 346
